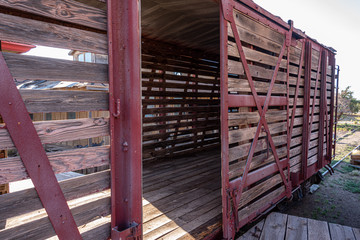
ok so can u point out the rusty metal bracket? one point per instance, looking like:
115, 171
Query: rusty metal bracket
25, 137
227, 7
133, 232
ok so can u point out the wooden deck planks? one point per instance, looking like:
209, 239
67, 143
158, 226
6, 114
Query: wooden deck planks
339, 232
181, 196
297, 228
274, 227
286, 227
318, 230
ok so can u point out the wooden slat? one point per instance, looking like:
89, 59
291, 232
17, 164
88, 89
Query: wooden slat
296, 228
42, 228
274, 226
259, 189
63, 130
66, 10
339, 232
318, 230
249, 133
40, 68
356, 232
12, 169
64, 101
235, 67
254, 233
27, 201
28, 31
243, 213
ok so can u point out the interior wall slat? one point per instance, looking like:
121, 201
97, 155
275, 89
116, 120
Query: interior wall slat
64, 101
12, 169
29, 31
40, 68
63, 130
65, 10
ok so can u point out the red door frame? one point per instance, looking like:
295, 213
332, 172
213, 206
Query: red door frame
125, 118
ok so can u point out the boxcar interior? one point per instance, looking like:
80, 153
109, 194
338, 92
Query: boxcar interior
181, 119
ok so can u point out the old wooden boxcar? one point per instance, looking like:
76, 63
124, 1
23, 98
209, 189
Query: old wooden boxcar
218, 111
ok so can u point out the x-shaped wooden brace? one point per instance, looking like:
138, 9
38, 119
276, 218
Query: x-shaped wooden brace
238, 185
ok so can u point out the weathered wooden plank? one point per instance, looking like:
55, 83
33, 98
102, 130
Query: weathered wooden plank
193, 224
340, 232
318, 230
242, 118
40, 68
242, 85
243, 150
274, 226
246, 211
64, 101
255, 56
249, 133
184, 78
254, 233
12, 169
41, 228
27, 201
237, 168
66, 10
179, 85
235, 67
296, 228
63, 130
259, 189
28, 31
356, 232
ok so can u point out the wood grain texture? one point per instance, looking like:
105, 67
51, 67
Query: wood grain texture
64, 101
340, 232
297, 228
27, 201
63, 130
40, 68
356, 232
41, 228
254, 233
65, 10
28, 31
274, 226
191, 24
12, 169
318, 230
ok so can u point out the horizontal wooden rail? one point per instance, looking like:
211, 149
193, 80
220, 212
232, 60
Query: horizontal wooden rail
40, 68
63, 130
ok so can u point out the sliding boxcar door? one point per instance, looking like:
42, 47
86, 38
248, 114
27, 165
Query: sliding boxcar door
254, 114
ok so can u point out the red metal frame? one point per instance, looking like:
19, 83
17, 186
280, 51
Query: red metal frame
331, 145
306, 110
25, 138
125, 129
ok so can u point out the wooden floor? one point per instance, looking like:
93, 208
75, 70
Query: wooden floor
182, 197
281, 226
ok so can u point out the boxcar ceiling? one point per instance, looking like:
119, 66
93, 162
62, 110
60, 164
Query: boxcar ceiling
190, 23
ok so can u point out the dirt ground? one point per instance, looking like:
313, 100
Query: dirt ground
338, 198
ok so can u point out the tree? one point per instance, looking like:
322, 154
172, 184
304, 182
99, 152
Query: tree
347, 103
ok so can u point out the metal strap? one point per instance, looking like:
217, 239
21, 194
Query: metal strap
32, 153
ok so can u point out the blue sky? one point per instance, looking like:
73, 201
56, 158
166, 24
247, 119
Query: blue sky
334, 23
